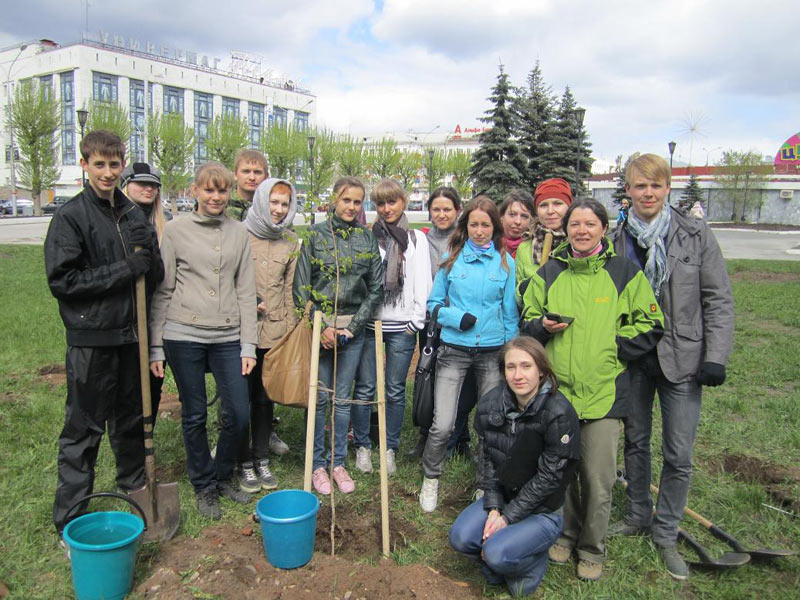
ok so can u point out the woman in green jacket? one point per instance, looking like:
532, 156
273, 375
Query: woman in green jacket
339, 266
594, 311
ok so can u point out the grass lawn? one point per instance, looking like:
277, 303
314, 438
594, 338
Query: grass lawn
750, 426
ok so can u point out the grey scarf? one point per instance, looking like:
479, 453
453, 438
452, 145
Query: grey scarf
259, 221
652, 236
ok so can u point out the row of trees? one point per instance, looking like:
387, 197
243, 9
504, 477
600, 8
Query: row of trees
36, 119
533, 135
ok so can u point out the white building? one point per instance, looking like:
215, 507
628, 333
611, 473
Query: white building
147, 79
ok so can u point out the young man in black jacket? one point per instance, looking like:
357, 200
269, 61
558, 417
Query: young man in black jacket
97, 245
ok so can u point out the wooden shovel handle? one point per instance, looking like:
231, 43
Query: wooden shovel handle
699, 518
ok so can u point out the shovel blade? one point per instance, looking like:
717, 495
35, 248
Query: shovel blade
726, 561
162, 509
767, 554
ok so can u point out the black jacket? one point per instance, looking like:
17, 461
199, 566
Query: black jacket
84, 255
528, 459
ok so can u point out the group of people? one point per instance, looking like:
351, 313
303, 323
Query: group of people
557, 330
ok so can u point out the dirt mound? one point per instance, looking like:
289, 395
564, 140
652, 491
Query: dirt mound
765, 277
55, 374
774, 478
225, 562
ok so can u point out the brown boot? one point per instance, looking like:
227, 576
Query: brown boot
590, 571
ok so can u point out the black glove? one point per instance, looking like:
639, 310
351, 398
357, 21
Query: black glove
140, 234
467, 321
711, 374
139, 262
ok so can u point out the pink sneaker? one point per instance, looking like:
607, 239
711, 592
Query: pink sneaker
322, 484
343, 480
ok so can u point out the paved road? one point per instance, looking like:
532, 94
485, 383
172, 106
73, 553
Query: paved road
735, 243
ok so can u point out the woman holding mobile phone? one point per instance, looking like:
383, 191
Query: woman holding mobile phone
616, 320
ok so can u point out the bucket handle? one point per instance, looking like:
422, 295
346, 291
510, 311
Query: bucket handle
127, 499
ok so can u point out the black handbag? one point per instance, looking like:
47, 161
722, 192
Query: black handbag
425, 376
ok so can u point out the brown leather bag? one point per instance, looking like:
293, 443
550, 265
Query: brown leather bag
287, 365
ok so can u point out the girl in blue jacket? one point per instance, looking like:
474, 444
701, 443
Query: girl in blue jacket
473, 296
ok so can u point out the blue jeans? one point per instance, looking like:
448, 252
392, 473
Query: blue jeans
516, 554
452, 365
399, 350
680, 415
188, 361
347, 360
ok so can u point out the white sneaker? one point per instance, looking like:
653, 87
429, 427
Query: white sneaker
429, 496
391, 464
364, 459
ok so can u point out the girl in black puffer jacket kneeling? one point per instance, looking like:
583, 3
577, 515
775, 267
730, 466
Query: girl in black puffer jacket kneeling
531, 446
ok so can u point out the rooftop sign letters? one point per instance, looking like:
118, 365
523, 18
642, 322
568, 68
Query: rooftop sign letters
161, 50
789, 152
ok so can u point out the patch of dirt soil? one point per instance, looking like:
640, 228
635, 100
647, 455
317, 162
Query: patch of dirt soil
756, 226
55, 374
765, 277
169, 407
226, 562
767, 474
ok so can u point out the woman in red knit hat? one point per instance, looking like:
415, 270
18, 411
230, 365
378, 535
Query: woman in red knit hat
551, 201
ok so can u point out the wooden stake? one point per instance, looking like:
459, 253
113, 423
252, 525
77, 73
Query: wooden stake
547, 245
380, 384
312, 399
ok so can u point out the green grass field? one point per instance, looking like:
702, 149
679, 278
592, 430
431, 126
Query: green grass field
750, 426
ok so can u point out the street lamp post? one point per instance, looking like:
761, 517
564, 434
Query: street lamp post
311, 140
11, 134
744, 204
710, 151
83, 115
430, 171
671, 147
579, 115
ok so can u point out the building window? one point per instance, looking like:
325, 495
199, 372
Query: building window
279, 116
46, 83
300, 120
230, 107
255, 119
137, 120
149, 98
203, 115
173, 100
104, 87
67, 119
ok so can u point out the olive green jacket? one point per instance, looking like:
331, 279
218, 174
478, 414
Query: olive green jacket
360, 271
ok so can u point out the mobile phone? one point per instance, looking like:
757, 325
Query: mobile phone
559, 318
343, 339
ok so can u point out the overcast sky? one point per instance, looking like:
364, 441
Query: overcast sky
645, 71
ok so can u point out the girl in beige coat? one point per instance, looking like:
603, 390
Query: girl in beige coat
275, 248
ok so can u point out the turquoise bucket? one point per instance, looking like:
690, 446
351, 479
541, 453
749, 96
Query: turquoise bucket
103, 551
288, 524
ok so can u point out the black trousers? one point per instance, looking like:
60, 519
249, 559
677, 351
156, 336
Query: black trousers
103, 390
255, 447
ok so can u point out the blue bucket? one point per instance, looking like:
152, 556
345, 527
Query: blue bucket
288, 524
103, 553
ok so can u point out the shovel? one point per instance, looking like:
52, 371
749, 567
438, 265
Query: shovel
726, 561
159, 501
762, 554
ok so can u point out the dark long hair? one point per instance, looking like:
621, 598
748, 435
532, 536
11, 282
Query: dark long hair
460, 235
593, 205
445, 191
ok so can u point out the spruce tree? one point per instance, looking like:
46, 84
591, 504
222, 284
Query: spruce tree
498, 164
619, 192
691, 194
565, 151
537, 127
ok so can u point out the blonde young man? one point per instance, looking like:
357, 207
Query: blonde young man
683, 263
249, 170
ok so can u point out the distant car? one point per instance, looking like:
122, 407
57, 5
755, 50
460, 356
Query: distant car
184, 204
49, 209
22, 203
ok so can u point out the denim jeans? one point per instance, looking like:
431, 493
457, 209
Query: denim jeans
399, 350
347, 359
680, 415
516, 554
255, 447
188, 361
451, 369
467, 400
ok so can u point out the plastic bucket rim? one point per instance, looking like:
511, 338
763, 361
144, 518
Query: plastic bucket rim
287, 520
75, 544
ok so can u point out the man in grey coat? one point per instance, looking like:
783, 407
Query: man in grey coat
683, 262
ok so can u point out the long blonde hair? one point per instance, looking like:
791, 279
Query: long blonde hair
157, 219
